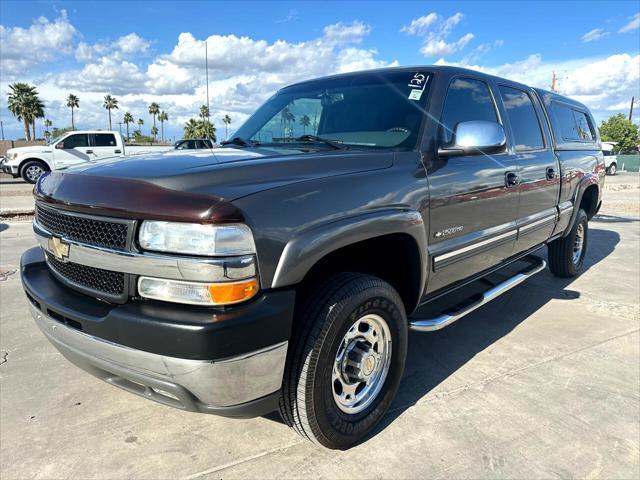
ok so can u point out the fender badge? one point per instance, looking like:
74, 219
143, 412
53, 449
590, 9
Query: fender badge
449, 231
58, 248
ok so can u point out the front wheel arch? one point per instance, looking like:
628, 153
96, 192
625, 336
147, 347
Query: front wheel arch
24, 163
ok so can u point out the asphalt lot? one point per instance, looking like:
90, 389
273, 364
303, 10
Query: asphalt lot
542, 383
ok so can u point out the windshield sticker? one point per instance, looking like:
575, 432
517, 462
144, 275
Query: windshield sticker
417, 84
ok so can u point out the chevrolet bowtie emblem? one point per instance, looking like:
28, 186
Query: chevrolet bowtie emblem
58, 248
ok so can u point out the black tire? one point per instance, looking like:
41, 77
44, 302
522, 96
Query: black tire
613, 168
307, 402
563, 259
29, 170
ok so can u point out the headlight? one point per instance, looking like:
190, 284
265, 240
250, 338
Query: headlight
14, 156
196, 239
192, 293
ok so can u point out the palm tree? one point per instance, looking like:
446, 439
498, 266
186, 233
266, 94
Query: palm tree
154, 109
227, 121
110, 103
20, 101
206, 130
36, 110
47, 124
128, 118
305, 121
163, 117
287, 118
191, 128
154, 132
73, 102
204, 112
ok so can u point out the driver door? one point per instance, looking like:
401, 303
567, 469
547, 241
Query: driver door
71, 150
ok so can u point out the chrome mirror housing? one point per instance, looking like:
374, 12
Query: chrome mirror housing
475, 137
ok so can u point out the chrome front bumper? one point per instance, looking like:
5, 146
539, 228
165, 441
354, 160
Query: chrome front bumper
220, 387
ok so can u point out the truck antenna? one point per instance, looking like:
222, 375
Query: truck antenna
631, 108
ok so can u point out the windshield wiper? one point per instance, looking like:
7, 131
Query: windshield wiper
242, 142
326, 141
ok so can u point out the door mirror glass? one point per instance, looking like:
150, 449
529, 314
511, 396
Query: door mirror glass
475, 137
60, 145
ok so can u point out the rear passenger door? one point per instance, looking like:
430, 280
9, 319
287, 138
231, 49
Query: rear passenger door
472, 207
105, 146
538, 168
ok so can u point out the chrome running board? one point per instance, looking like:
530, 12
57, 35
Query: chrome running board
447, 318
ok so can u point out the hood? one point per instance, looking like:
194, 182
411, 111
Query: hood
233, 172
197, 185
30, 149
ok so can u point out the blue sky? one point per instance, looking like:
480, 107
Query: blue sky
152, 51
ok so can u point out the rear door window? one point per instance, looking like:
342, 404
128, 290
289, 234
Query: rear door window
104, 140
523, 119
467, 99
574, 124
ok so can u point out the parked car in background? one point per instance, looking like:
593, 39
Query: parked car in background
193, 144
288, 275
70, 149
610, 158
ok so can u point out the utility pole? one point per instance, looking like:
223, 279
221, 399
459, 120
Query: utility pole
553, 82
120, 127
206, 69
631, 108
2, 130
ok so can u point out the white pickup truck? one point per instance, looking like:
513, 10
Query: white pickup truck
70, 149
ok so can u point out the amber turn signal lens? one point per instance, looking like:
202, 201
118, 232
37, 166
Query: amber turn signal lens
226, 293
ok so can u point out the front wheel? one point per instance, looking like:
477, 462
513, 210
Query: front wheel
32, 170
566, 255
346, 361
613, 168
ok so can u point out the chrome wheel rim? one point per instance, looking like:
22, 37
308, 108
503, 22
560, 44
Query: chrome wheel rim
612, 170
361, 364
34, 172
578, 244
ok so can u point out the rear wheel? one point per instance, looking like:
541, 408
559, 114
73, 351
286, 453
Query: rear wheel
32, 170
613, 168
346, 361
566, 255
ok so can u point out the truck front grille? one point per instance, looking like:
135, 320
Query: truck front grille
95, 280
85, 229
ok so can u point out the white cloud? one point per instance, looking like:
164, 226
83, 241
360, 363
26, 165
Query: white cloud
419, 26
341, 33
435, 29
124, 47
634, 24
44, 41
435, 47
595, 34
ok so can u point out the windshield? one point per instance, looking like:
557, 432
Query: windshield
59, 137
378, 110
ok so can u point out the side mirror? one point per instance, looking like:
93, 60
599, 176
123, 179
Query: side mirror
475, 137
60, 145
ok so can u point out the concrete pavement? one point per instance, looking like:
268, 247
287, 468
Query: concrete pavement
543, 382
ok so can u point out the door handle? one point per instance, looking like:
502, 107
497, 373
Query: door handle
88, 151
551, 173
117, 151
511, 179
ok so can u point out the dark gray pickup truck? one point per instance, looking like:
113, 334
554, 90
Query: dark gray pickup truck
284, 271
